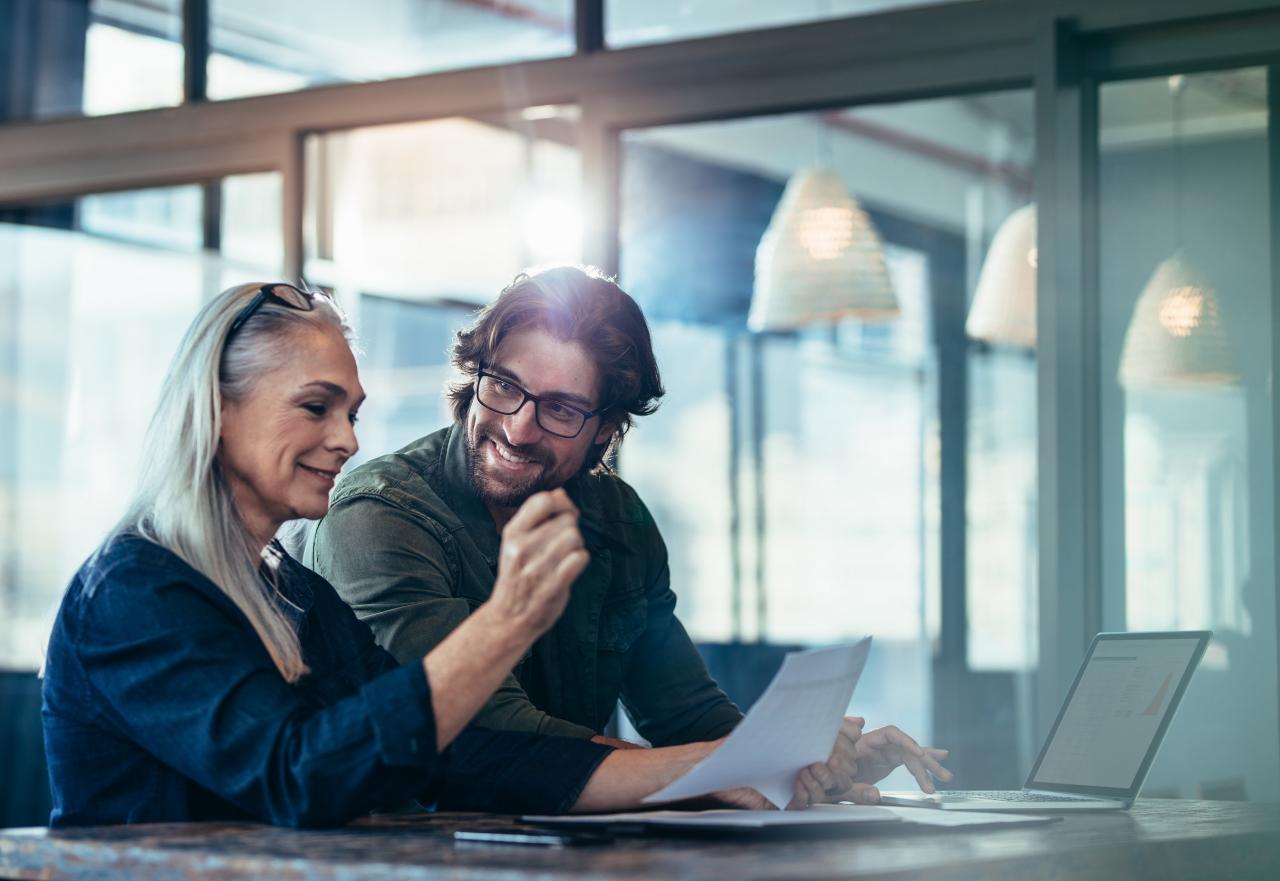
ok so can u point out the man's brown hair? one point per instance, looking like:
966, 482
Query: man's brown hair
573, 304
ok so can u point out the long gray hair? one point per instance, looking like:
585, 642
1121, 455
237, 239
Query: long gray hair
183, 501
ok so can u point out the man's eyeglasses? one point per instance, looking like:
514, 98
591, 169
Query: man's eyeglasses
552, 415
280, 294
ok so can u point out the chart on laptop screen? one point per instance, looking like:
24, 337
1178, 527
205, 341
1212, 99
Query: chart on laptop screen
1115, 712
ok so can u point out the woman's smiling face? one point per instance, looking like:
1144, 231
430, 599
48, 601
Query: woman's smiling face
283, 444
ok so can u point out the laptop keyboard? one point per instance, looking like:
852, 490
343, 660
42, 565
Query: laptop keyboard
1005, 795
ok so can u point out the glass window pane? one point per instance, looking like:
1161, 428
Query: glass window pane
1002, 597
96, 57
681, 461
277, 47
633, 22
166, 218
798, 474
415, 225
252, 235
1188, 407
81, 283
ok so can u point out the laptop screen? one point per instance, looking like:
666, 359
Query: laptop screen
1119, 707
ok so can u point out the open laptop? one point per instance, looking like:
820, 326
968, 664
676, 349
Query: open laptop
1106, 735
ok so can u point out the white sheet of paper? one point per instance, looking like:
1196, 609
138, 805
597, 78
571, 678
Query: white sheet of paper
793, 724
729, 818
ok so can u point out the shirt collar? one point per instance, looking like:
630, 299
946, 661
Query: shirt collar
462, 499
294, 595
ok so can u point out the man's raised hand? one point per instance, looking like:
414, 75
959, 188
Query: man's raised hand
541, 555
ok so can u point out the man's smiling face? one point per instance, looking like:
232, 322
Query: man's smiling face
512, 457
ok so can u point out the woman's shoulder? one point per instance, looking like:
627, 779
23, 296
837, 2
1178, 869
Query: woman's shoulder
128, 566
129, 585
129, 553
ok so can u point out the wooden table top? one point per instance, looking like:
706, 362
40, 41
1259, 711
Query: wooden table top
1157, 839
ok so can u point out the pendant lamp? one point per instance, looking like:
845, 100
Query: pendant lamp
819, 259
1176, 338
1004, 302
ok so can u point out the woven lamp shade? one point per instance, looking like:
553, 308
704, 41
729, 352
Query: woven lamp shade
1176, 338
819, 259
1004, 302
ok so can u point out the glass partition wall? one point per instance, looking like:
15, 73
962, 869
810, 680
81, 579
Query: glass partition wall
1188, 407
810, 481
981, 476
95, 294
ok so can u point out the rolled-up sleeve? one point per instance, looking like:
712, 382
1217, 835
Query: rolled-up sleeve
515, 772
399, 706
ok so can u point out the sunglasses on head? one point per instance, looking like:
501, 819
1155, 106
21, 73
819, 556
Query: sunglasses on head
279, 293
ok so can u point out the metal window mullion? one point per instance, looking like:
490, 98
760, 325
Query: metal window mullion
211, 215
1273, 175
1097, 494
293, 172
64, 177
588, 25
195, 50
600, 147
1068, 372
758, 351
950, 342
1107, 15
195, 89
1209, 43
733, 421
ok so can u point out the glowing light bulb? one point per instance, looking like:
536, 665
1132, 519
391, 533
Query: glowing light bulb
1181, 310
826, 232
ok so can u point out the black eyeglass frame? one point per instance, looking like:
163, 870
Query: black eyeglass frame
265, 293
587, 415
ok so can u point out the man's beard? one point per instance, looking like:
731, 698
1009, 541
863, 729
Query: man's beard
506, 493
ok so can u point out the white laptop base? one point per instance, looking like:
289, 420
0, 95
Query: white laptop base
1027, 800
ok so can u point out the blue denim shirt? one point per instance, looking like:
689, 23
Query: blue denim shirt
161, 704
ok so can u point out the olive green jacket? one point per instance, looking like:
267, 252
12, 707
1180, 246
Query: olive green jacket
413, 550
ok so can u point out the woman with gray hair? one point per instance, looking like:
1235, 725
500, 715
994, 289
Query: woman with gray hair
197, 672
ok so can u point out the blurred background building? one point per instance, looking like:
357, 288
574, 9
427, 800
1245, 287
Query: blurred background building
1057, 418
